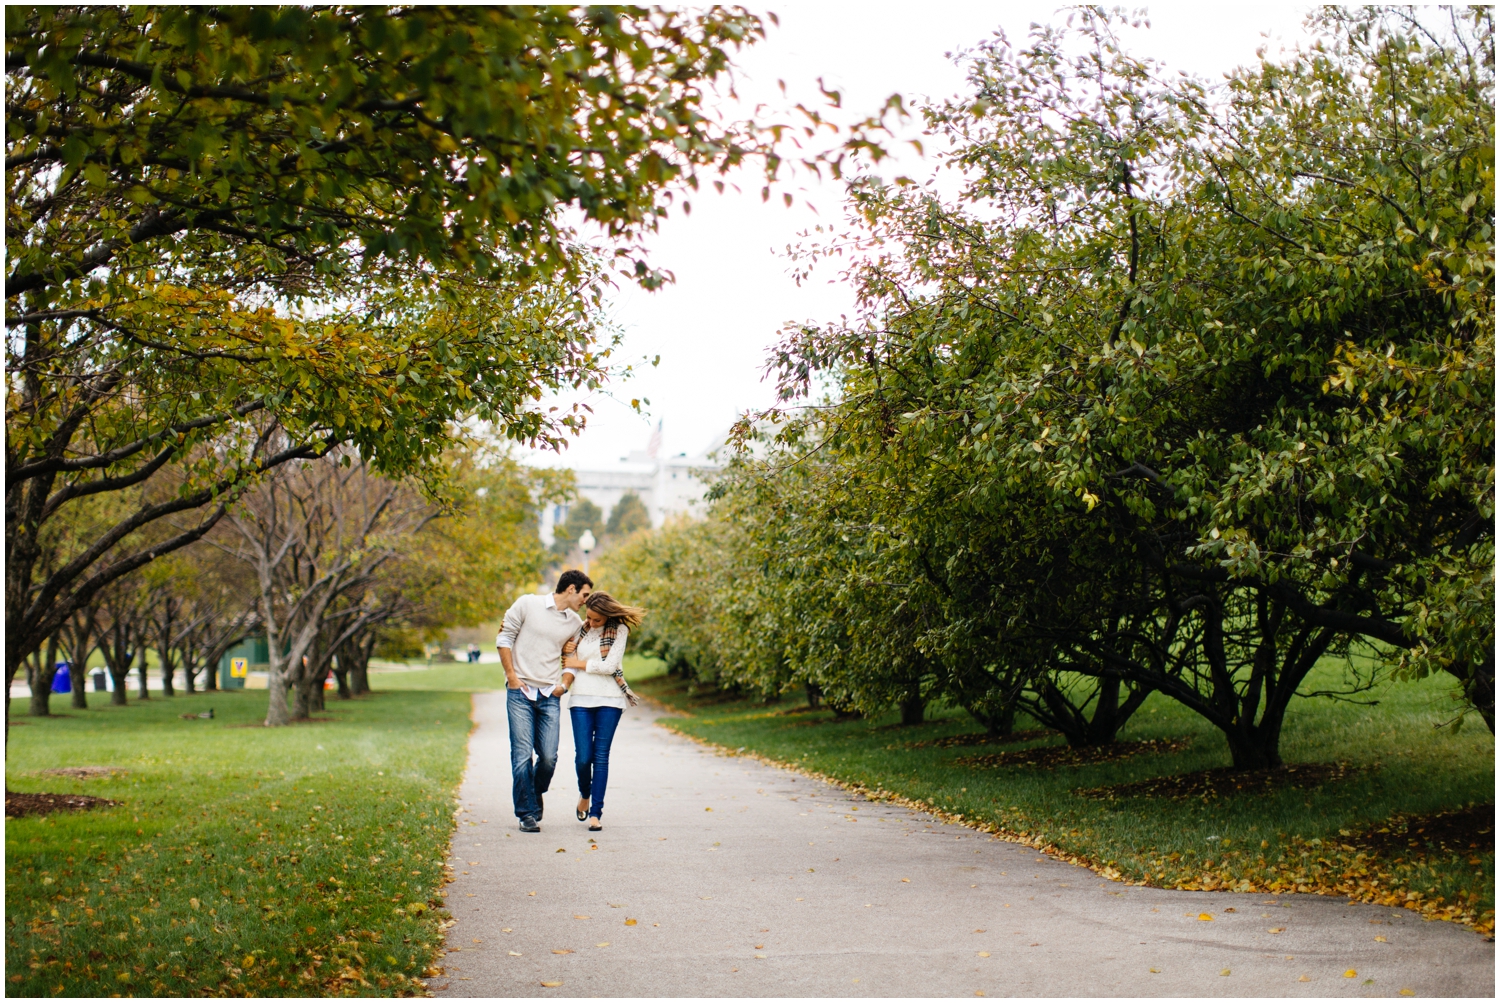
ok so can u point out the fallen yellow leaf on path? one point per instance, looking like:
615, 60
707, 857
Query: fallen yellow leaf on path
708, 809
984, 954
1156, 971
561, 850
551, 985
1204, 917
630, 922
1275, 929
1380, 940
907, 880
602, 943
1351, 973
561, 950
576, 916
1224, 972
1304, 978
1408, 992
514, 954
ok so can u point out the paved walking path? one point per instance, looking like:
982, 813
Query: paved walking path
718, 876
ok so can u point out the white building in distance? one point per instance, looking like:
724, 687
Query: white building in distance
668, 486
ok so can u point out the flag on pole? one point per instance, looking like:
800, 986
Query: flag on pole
654, 446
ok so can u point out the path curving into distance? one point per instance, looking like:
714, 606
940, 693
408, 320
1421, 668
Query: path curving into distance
746, 880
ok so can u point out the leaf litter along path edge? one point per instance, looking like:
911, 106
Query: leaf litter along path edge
718, 875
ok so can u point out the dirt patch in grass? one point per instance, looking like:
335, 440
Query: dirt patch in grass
84, 772
1466, 831
1064, 755
307, 720
982, 738
20, 805
1225, 781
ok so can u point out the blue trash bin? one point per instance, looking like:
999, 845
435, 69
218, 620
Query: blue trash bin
63, 681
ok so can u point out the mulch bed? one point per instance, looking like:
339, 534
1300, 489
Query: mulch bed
1225, 781
21, 805
983, 738
1064, 755
1464, 831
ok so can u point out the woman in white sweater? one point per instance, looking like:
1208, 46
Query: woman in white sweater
599, 695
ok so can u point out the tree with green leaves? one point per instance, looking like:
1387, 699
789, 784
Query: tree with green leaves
245, 236
583, 516
628, 515
1226, 357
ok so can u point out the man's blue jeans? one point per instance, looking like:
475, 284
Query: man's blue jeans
533, 729
593, 731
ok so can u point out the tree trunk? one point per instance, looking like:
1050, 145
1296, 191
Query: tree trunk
78, 678
1254, 748
359, 666
913, 707
121, 678
814, 696
145, 693
341, 675
319, 689
1002, 723
302, 706
168, 670
211, 676
41, 687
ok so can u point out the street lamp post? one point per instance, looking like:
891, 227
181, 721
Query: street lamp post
587, 543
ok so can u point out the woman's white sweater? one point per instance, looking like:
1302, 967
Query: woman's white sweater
595, 685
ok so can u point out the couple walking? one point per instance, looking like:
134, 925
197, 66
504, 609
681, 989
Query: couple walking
548, 650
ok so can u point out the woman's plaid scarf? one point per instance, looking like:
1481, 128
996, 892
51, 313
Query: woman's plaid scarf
607, 641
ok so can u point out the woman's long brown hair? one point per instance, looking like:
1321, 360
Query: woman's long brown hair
614, 611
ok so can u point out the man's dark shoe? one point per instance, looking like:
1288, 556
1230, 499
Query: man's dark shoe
528, 824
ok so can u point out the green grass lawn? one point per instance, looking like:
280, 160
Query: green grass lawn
242, 860
1283, 840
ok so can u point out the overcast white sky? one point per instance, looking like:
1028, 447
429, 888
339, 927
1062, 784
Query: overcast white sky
733, 292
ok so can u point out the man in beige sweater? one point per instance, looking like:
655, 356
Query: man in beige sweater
530, 643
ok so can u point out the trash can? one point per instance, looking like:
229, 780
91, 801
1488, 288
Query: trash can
100, 686
63, 681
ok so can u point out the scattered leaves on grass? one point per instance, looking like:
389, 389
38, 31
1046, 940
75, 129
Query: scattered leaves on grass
1063, 755
85, 772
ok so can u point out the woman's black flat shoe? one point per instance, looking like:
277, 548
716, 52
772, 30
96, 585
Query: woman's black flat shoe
583, 816
596, 827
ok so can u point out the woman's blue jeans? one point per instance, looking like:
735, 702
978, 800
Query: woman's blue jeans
593, 731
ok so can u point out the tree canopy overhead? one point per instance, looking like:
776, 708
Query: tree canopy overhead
325, 135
